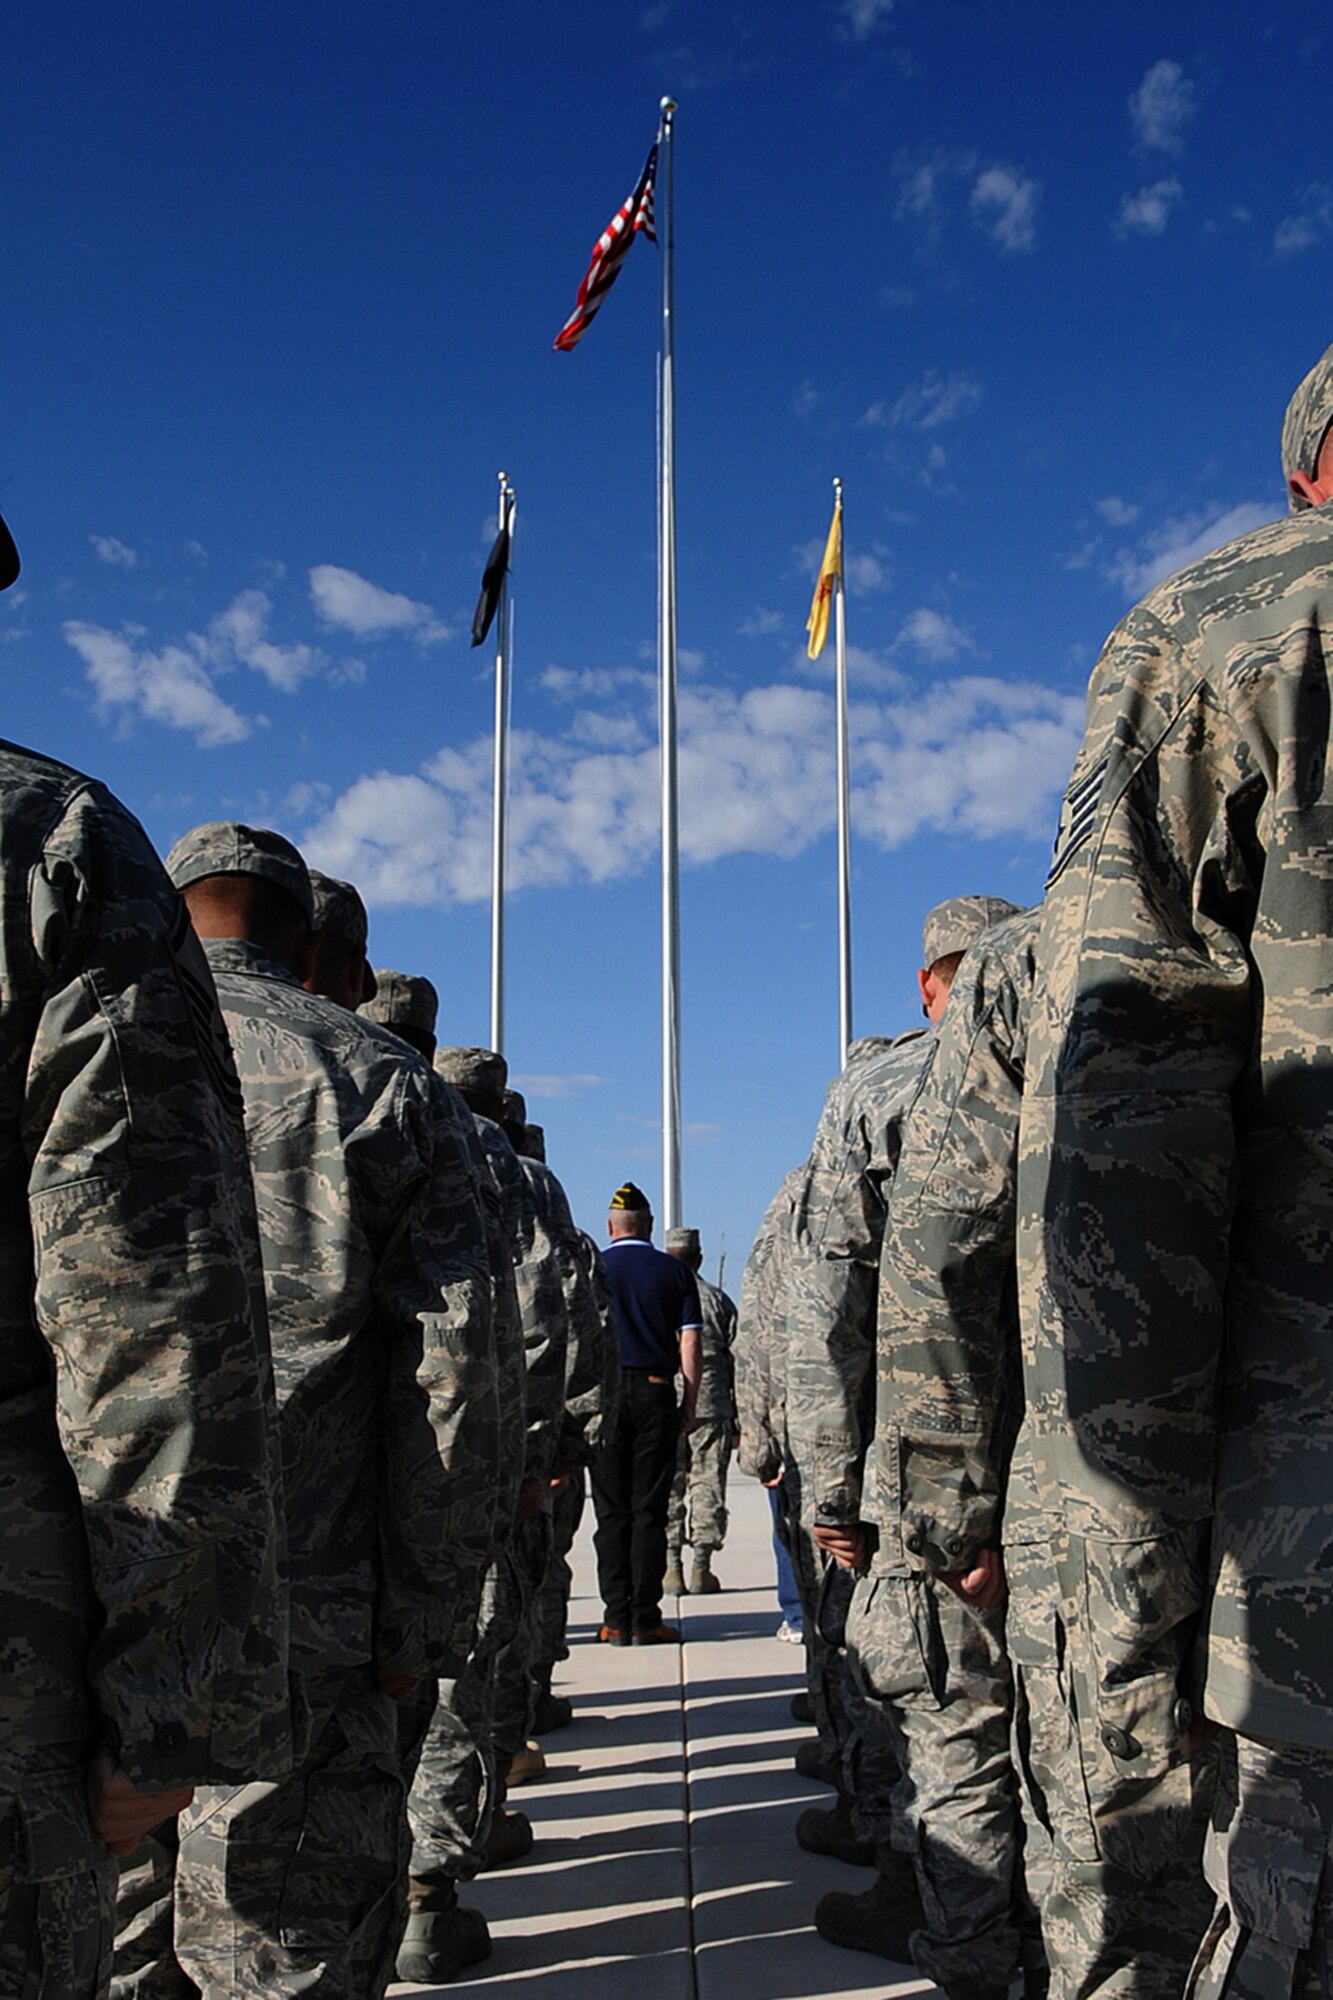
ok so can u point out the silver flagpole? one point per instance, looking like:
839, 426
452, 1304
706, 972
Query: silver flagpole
844, 808
500, 778
666, 681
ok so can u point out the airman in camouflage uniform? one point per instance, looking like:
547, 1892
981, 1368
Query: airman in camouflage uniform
839, 1227
592, 1385
141, 1592
697, 1508
375, 1270
761, 1387
1175, 1212
927, 1621
458, 1823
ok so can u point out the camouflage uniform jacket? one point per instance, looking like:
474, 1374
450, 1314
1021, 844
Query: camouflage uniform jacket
583, 1334
837, 1230
541, 1304
1176, 1169
141, 1594
717, 1386
947, 1378
379, 1309
591, 1398
759, 1352
506, 1328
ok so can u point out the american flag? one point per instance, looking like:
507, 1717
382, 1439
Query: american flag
609, 253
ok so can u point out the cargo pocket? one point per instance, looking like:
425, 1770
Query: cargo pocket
894, 1643
352, 1839
60, 1923
1136, 1605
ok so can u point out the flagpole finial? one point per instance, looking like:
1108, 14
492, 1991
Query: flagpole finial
837, 488
667, 107
503, 478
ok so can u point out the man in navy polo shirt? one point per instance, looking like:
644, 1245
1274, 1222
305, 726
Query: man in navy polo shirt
659, 1326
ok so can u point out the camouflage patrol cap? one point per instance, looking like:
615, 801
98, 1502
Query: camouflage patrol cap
1309, 414
481, 1070
225, 847
340, 913
535, 1140
516, 1108
402, 1000
681, 1239
954, 925
629, 1197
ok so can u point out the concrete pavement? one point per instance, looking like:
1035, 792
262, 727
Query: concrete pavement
665, 1866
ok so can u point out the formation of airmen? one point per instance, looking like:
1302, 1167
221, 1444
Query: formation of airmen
303, 1359
1037, 1348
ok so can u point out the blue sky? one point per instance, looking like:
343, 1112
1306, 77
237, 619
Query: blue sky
281, 290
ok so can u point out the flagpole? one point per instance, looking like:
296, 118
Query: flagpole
844, 808
500, 780
666, 680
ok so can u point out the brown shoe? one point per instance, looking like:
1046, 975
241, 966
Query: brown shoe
613, 1635
658, 1635
527, 1764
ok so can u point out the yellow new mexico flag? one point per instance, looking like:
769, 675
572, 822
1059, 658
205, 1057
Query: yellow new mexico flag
830, 570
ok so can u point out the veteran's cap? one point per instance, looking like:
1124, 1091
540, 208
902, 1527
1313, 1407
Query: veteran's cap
629, 1197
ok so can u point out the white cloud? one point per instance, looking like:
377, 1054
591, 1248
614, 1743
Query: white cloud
936, 636
806, 400
354, 604
1182, 541
562, 1087
171, 687
1148, 212
110, 549
1117, 513
1004, 203
173, 684
761, 623
1311, 223
1161, 108
922, 185
978, 756
865, 571
240, 633
864, 16
934, 400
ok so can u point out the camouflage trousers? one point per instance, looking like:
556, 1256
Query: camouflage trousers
939, 1675
1269, 1862
867, 1755
1105, 1744
841, 1710
456, 1766
57, 1882
278, 1888
552, 1614
697, 1508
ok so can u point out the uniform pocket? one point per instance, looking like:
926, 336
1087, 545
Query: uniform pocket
351, 1843
58, 1929
894, 1642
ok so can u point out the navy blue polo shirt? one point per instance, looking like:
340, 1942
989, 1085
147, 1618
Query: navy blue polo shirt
654, 1297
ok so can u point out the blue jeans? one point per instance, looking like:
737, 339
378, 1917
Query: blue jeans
788, 1596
